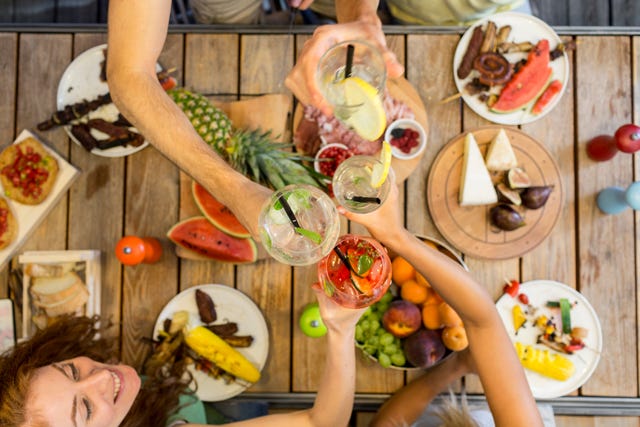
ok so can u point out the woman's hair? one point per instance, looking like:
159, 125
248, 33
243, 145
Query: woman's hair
454, 414
71, 337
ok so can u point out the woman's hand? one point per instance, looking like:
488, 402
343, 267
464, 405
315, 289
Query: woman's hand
386, 221
335, 317
302, 78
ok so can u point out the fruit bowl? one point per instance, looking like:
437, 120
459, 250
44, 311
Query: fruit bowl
398, 323
337, 152
407, 137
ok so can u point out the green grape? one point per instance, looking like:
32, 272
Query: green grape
383, 307
369, 350
385, 339
384, 360
398, 359
367, 312
359, 333
380, 332
373, 341
390, 349
375, 325
386, 298
365, 325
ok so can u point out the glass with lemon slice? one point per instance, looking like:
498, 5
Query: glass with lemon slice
352, 77
361, 183
299, 225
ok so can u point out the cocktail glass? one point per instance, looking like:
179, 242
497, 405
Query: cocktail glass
299, 225
357, 272
367, 64
353, 188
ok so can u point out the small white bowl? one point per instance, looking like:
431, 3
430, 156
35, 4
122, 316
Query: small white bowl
404, 124
316, 163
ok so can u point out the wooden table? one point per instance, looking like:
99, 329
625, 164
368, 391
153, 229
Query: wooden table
139, 195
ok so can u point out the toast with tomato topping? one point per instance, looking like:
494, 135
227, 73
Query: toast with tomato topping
27, 172
8, 224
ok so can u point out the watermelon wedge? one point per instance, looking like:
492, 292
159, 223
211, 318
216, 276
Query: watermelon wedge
219, 215
197, 234
528, 83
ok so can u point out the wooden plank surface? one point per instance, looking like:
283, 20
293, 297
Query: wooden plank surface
606, 242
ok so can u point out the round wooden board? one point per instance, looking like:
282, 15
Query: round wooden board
404, 91
468, 228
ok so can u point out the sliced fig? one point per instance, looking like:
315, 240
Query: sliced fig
536, 197
508, 195
518, 178
505, 217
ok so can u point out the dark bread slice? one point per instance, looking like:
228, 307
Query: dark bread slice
48, 161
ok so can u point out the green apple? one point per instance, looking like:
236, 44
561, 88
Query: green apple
311, 322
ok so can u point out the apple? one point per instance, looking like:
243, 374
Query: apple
311, 322
402, 318
601, 148
628, 138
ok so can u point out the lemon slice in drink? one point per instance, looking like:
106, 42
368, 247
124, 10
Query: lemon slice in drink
380, 171
368, 119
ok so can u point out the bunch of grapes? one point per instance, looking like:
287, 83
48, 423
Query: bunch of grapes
373, 339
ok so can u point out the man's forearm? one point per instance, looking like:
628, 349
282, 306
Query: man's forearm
355, 10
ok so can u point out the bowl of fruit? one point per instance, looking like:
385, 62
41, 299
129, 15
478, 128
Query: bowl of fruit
411, 327
407, 138
329, 157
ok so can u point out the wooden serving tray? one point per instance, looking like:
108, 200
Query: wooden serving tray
404, 91
468, 228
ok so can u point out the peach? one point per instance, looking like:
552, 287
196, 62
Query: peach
424, 348
455, 338
402, 318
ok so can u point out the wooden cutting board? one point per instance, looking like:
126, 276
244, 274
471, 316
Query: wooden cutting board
468, 228
267, 112
404, 91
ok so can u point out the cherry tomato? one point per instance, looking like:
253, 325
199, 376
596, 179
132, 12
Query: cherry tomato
169, 83
512, 288
602, 148
523, 298
628, 138
133, 250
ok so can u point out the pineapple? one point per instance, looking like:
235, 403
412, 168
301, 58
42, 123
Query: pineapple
253, 153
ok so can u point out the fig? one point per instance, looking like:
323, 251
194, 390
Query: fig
505, 217
536, 197
506, 194
518, 178
206, 307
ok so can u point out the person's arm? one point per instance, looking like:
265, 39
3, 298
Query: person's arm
496, 362
357, 20
136, 36
408, 403
334, 401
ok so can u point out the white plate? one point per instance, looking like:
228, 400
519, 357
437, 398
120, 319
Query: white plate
233, 306
81, 81
30, 216
523, 28
583, 314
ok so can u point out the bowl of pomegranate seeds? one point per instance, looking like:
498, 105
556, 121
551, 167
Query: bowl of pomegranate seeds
329, 157
407, 138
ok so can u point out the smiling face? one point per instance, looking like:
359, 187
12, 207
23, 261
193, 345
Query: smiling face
82, 393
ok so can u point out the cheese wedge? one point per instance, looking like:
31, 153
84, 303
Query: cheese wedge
476, 187
500, 155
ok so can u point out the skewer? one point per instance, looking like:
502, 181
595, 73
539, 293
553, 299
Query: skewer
450, 98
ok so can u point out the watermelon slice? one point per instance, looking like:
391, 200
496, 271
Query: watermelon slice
219, 215
197, 234
528, 83
547, 96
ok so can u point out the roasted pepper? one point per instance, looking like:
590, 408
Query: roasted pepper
545, 363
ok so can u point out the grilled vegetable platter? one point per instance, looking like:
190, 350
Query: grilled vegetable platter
556, 334
220, 333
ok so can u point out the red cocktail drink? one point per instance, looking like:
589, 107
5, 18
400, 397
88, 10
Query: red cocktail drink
357, 272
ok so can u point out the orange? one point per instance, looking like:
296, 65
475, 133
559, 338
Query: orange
431, 316
448, 315
433, 297
401, 270
455, 338
412, 292
421, 280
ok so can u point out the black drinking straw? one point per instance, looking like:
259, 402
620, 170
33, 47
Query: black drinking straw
349, 64
343, 258
362, 199
289, 212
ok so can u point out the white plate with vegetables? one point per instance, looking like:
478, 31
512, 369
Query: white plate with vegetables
524, 28
544, 299
233, 306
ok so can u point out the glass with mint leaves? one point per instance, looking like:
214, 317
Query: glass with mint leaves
299, 225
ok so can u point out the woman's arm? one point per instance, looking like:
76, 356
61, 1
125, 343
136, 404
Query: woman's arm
334, 401
137, 34
497, 365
